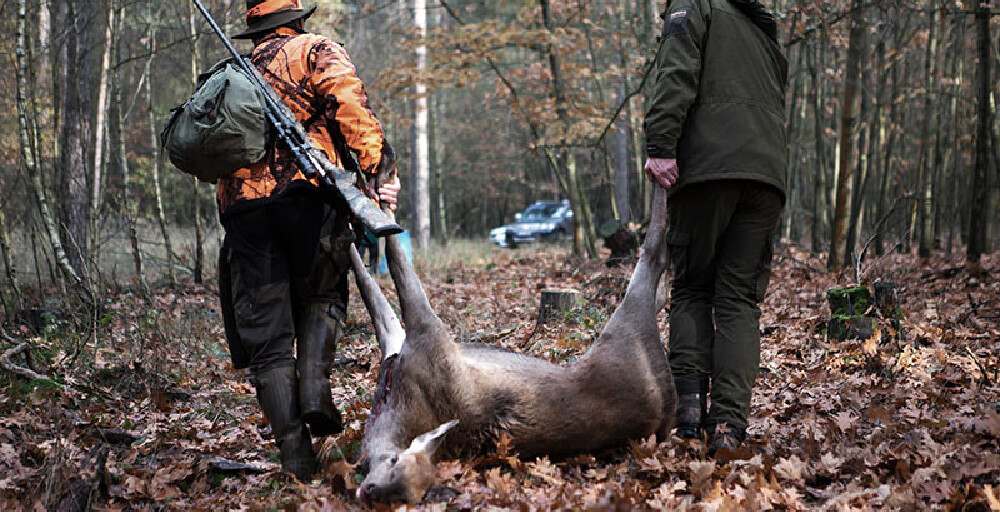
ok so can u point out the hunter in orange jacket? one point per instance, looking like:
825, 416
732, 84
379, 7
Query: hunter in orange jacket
318, 82
284, 264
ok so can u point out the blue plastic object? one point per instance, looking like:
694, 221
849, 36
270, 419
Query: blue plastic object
406, 243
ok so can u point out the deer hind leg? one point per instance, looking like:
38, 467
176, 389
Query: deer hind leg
388, 330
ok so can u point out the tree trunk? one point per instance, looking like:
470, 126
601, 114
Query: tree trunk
585, 241
793, 171
819, 207
127, 201
957, 73
421, 142
979, 191
846, 149
73, 181
28, 150
437, 144
157, 159
924, 225
199, 232
100, 131
623, 171
9, 266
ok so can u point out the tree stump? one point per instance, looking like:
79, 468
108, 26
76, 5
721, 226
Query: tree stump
620, 240
848, 313
887, 300
555, 302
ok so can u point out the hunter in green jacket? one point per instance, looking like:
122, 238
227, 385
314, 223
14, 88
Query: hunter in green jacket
715, 136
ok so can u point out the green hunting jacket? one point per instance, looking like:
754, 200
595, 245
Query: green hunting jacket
718, 104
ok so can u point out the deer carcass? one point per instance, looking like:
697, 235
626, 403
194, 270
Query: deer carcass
429, 385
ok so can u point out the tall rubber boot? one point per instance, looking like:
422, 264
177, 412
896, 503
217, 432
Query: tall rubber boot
316, 343
277, 393
691, 414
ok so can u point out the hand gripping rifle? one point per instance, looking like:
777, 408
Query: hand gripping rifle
312, 161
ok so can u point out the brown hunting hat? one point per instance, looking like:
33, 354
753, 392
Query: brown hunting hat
266, 15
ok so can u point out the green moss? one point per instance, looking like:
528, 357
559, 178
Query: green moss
847, 302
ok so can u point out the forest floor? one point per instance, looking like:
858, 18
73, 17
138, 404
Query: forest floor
149, 413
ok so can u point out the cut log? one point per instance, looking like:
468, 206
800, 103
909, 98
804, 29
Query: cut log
620, 240
556, 302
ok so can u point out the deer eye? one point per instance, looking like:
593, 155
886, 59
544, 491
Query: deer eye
393, 460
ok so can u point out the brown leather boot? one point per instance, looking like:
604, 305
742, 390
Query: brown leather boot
317, 333
277, 393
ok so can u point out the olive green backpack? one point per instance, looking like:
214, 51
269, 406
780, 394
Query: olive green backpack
221, 128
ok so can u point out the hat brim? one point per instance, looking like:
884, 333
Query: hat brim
273, 21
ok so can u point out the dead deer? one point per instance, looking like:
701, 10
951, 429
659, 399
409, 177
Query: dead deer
429, 385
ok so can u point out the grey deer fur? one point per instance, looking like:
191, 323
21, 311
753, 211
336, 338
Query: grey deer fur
620, 389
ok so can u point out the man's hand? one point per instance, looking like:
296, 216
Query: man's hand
663, 171
388, 194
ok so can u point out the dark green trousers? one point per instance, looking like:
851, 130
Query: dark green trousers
721, 235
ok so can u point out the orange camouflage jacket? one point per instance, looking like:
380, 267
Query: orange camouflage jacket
316, 79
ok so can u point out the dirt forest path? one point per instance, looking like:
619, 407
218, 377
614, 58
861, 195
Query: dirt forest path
152, 417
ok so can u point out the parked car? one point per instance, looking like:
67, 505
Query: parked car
542, 221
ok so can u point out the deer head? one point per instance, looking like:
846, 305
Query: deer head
394, 473
406, 475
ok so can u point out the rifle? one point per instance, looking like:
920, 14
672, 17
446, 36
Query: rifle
311, 160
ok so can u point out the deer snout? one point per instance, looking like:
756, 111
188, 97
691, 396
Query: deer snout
365, 492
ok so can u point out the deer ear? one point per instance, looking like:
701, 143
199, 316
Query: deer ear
429, 442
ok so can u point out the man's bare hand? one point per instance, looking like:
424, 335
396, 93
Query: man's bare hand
388, 194
663, 171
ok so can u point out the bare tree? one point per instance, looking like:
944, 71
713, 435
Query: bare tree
847, 119
157, 157
421, 142
979, 192
29, 160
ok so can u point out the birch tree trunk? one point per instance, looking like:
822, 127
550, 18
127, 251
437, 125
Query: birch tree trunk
846, 149
100, 132
421, 142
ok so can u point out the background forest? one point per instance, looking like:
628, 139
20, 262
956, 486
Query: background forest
492, 105
116, 388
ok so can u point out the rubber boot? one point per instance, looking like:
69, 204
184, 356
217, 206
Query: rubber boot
691, 411
725, 437
316, 343
277, 392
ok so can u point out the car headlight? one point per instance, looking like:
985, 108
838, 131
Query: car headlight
548, 226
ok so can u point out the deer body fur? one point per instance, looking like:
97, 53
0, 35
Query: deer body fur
621, 389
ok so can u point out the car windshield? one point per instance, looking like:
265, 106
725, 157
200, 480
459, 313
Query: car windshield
539, 212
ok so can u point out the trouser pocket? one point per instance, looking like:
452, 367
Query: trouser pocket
678, 243
236, 349
762, 277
